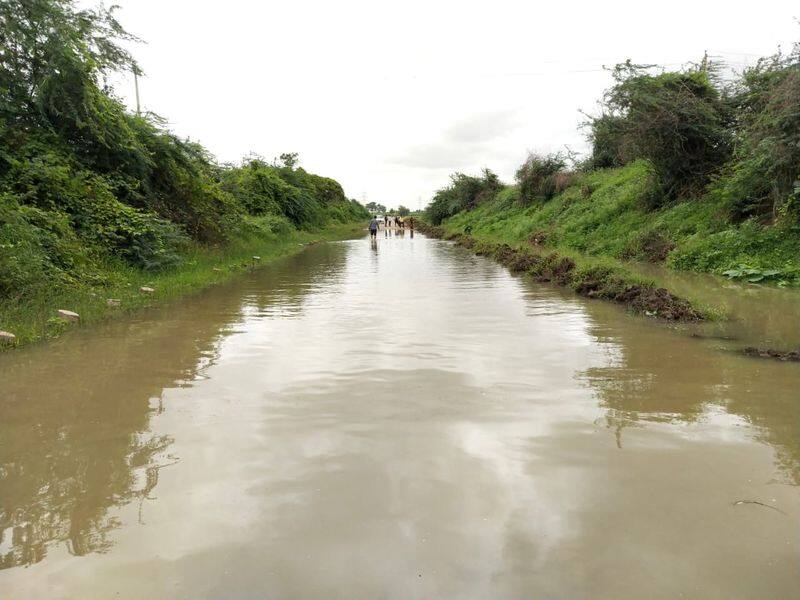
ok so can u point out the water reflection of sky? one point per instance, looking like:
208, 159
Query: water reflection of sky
414, 422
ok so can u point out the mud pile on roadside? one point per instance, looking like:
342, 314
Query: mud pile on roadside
791, 355
658, 302
429, 230
600, 282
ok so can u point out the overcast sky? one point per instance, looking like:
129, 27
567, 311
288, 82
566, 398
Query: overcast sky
389, 98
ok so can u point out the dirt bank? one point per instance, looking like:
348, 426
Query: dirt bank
591, 281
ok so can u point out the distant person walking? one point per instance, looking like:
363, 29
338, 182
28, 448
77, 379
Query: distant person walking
373, 227
385, 220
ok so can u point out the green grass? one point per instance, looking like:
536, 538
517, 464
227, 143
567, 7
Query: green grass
603, 214
35, 318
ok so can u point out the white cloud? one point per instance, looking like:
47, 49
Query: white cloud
440, 155
466, 142
483, 127
370, 91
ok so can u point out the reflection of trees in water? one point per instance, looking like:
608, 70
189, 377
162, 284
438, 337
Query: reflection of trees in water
75, 438
617, 421
74, 434
286, 288
771, 404
70, 452
662, 376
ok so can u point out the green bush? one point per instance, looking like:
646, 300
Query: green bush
38, 249
679, 121
256, 187
263, 227
305, 199
749, 244
763, 178
347, 211
543, 176
463, 193
49, 183
607, 141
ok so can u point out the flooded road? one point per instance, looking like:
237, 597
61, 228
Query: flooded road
400, 421
764, 316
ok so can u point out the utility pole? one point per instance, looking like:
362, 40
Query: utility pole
704, 64
136, 85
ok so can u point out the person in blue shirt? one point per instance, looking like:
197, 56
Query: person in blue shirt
373, 227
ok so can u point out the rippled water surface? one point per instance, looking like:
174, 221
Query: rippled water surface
403, 420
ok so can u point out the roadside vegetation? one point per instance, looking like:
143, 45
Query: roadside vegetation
95, 199
686, 168
592, 277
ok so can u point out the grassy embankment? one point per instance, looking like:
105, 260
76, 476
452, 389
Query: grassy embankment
97, 202
602, 215
35, 318
689, 168
600, 222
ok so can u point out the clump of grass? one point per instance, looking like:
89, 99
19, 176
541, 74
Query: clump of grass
602, 215
35, 319
542, 176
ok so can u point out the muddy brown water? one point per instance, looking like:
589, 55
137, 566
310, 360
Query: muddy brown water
404, 420
764, 316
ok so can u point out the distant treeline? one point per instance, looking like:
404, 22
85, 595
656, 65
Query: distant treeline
729, 148
85, 182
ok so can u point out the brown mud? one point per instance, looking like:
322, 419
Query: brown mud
791, 355
600, 282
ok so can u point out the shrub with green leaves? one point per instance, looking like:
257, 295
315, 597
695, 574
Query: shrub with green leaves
49, 183
679, 121
305, 199
463, 193
607, 139
38, 249
752, 274
542, 176
263, 227
763, 178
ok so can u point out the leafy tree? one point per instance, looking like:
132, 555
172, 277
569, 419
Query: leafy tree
52, 59
289, 160
403, 211
763, 178
679, 121
376, 208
